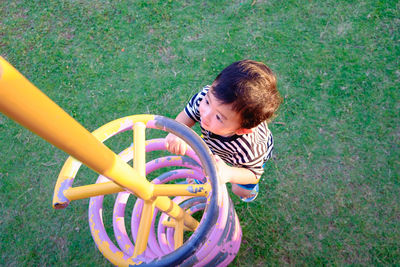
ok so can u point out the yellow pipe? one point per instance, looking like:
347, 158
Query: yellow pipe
166, 205
173, 224
181, 189
23, 102
139, 163
144, 228
108, 188
92, 190
178, 234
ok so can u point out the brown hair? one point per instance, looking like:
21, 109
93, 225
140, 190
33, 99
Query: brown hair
250, 87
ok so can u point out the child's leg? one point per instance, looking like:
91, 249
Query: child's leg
240, 191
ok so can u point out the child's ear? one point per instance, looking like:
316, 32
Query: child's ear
242, 131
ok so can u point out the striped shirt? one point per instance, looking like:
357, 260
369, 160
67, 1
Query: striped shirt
248, 151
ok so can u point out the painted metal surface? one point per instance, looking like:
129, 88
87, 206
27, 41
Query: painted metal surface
214, 241
222, 242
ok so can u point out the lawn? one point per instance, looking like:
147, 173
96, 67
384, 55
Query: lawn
331, 193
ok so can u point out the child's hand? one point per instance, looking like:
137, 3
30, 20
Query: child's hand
223, 170
175, 145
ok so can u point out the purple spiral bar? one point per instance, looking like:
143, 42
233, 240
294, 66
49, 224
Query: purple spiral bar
223, 242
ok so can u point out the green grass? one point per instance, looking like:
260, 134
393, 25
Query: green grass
330, 195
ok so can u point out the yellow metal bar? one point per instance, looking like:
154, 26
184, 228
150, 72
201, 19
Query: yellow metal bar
23, 102
173, 224
92, 190
178, 234
129, 178
181, 189
139, 163
173, 210
144, 228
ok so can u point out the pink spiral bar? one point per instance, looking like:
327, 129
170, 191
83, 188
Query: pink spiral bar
222, 243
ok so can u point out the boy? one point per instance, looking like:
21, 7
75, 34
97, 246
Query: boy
233, 114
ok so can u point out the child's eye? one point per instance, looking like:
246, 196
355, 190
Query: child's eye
206, 101
218, 118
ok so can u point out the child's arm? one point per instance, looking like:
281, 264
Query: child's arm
234, 175
172, 142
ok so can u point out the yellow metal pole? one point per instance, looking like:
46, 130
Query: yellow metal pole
173, 224
144, 227
107, 188
166, 205
182, 189
178, 234
23, 102
139, 163
92, 190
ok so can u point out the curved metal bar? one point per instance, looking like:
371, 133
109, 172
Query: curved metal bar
212, 212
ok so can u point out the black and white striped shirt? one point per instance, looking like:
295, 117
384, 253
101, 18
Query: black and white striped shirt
248, 151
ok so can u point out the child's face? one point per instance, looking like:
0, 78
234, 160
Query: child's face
218, 118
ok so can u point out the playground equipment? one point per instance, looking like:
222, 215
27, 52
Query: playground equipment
214, 241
